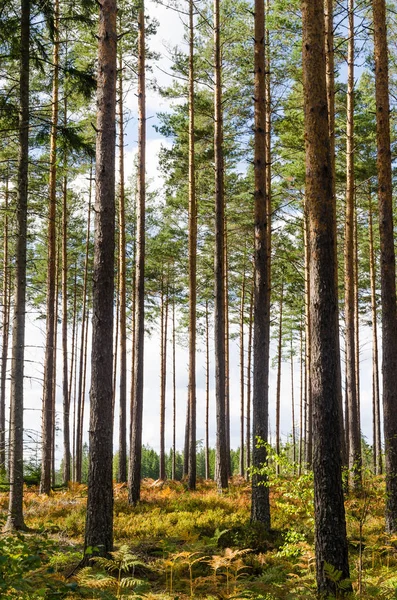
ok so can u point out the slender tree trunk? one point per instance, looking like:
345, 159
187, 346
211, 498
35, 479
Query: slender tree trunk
47, 430
163, 373
134, 476
173, 476
80, 397
242, 398
330, 82
5, 333
351, 387
54, 368
248, 435
72, 365
221, 468
293, 405
301, 395
66, 475
192, 467
330, 536
207, 391
308, 356
99, 521
122, 473
279, 362
387, 261
260, 507
15, 518
377, 446
227, 349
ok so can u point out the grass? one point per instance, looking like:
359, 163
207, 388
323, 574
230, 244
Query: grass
177, 545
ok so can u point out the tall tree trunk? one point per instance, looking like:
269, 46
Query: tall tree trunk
47, 430
351, 387
99, 521
221, 467
66, 475
301, 396
80, 396
227, 348
173, 476
279, 362
248, 436
293, 405
5, 332
260, 507
15, 518
308, 353
207, 391
330, 537
387, 261
122, 473
163, 371
242, 398
330, 82
54, 368
377, 446
134, 476
192, 466
72, 365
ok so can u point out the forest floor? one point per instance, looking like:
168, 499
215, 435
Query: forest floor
177, 544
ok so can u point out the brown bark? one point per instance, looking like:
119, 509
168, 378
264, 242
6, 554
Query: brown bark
308, 393
293, 406
66, 474
387, 261
350, 334
242, 398
99, 520
221, 467
192, 466
5, 332
377, 446
260, 507
248, 436
278, 387
134, 476
207, 391
122, 472
330, 81
80, 396
48, 417
173, 470
164, 303
330, 535
15, 518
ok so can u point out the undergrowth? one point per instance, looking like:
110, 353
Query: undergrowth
177, 545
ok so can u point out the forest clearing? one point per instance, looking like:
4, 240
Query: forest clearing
182, 544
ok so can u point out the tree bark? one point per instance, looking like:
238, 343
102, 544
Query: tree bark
308, 357
15, 518
173, 475
5, 332
377, 445
279, 362
207, 391
242, 398
260, 507
248, 435
192, 466
221, 467
163, 370
81, 386
350, 334
99, 520
134, 475
330, 534
387, 261
48, 417
122, 471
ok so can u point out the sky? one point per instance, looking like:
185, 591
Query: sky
170, 33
